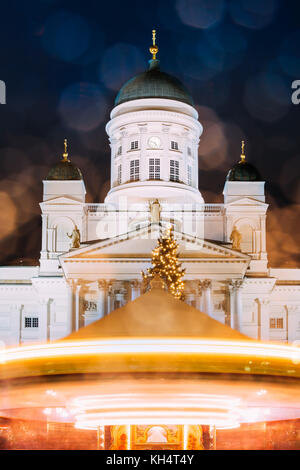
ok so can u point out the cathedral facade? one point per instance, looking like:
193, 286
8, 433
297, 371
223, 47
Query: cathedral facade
92, 255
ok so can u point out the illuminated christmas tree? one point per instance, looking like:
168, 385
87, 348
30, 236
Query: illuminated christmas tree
165, 263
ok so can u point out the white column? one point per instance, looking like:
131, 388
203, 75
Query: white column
207, 305
292, 314
44, 336
120, 296
264, 322
51, 242
199, 297
236, 304
44, 234
16, 324
77, 305
109, 298
102, 286
69, 321
135, 289
231, 288
239, 305
263, 233
189, 297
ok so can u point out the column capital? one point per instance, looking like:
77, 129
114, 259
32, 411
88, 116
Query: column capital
264, 301
71, 283
102, 284
235, 284
205, 284
135, 284
292, 308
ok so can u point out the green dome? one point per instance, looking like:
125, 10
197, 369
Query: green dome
243, 171
64, 170
153, 84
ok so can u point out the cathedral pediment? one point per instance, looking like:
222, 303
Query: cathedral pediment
60, 200
247, 201
139, 244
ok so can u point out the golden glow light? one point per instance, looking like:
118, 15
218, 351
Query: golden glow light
153, 346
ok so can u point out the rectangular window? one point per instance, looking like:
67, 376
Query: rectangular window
119, 152
154, 168
134, 170
189, 175
134, 145
174, 145
276, 323
119, 174
174, 170
31, 322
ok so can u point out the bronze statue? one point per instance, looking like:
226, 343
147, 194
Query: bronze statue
75, 238
236, 238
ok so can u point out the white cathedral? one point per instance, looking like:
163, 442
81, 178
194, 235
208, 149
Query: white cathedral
92, 255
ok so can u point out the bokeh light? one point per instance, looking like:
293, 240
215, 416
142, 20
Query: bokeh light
202, 62
227, 38
254, 14
289, 57
8, 214
200, 13
83, 106
266, 97
120, 63
66, 35
283, 235
213, 145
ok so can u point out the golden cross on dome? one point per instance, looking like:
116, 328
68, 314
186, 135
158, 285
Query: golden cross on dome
65, 154
153, 36
153, 49
243, 156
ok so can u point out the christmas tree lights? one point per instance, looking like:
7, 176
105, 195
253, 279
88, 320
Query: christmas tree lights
165, 263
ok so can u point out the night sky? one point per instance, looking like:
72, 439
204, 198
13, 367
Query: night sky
64, 61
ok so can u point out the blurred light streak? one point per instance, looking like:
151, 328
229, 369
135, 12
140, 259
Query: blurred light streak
153, 346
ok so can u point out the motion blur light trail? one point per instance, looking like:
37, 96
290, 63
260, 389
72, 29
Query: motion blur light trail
199, 355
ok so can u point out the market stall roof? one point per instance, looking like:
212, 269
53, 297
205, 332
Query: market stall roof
157, 314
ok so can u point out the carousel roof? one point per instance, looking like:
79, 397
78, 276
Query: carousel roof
157, 314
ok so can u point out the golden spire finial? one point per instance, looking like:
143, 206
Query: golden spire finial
65, 154
153, 49
243, 156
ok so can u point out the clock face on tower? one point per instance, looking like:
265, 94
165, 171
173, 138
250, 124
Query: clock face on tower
154, 142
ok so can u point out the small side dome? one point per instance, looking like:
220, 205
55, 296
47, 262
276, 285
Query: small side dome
64, 170
243, 171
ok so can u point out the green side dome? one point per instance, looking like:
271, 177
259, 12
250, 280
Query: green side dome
64, 170
153, 84
243, 171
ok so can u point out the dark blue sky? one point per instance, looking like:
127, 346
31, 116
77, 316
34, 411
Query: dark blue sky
64, 61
